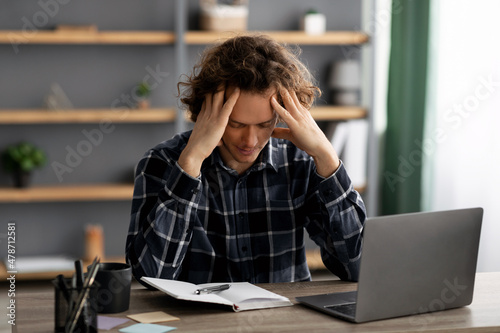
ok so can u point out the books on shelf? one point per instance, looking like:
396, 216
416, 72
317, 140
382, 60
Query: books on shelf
350, 140
240, 296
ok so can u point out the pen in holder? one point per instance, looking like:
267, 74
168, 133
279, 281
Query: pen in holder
75, 306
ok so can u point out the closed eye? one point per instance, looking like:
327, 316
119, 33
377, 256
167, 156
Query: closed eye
236, 125
266, 125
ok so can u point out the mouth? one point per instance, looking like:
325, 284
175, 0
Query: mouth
246, 151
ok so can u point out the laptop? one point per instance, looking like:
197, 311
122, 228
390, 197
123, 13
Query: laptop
410, 264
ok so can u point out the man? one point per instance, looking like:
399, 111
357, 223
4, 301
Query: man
230, 200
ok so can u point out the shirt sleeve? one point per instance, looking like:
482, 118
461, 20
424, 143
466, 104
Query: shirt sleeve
336, 223
164, 203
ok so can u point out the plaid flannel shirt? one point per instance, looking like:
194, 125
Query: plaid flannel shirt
223, 226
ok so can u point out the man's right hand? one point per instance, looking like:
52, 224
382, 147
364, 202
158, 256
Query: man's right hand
208, 130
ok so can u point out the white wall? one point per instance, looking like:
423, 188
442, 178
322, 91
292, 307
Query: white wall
463, 133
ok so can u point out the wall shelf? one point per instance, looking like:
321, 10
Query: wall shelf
49, 275
338, 113
165, 37
34, 116
313, 259
84, 192
54, 193
290, 37
102, 37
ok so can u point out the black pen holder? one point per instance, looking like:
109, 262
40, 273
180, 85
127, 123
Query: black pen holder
66, 299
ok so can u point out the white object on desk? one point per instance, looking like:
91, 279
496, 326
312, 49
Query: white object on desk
241, 296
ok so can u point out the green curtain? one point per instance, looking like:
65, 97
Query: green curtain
402, 162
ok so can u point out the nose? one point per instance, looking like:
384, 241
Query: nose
249, 136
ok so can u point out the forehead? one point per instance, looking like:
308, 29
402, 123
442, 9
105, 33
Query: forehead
252, 108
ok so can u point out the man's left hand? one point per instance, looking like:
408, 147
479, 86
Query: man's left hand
305, 133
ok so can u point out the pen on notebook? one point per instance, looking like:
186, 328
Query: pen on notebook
209, 290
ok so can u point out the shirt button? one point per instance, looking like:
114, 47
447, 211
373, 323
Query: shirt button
241, 215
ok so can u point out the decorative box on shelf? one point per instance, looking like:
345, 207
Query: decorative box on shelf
218, 15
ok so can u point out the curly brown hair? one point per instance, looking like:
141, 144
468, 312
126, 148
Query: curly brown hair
254, 63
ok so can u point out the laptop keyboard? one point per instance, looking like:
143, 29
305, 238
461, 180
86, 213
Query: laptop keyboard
348, 308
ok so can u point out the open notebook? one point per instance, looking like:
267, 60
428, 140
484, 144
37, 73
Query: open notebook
240, 296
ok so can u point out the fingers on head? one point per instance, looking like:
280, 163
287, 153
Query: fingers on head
295, 98
208, 100
203, 105
282, 114
290, 97
232, 99
287, 104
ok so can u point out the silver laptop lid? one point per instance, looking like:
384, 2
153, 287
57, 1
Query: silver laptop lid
416, 263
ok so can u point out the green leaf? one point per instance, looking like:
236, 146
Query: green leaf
23, 156
27, 165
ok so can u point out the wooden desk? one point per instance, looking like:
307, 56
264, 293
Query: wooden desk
35, 312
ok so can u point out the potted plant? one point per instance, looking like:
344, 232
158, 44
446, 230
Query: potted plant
143, 91
20, 160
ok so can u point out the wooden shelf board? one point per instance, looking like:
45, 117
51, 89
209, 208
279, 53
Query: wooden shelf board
338, 112
67, 193
289, 37
87, 116
103, 37
145, 116
49, 275
166, 37
313, 257
313, 260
